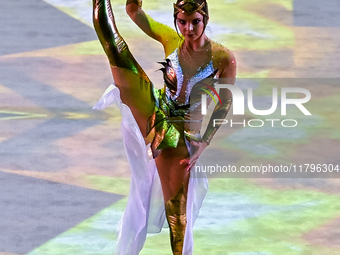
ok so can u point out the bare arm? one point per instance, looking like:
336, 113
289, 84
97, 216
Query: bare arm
164, 34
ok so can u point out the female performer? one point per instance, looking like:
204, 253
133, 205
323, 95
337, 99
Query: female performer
164, 122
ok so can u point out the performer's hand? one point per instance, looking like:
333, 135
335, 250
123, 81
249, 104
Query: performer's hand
197, 148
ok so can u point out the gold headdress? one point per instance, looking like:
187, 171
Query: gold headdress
189, 7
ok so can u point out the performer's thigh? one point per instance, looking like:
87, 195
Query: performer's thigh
136, 93
171, 173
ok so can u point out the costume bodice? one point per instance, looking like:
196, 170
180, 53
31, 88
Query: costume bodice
201, 74
173, 119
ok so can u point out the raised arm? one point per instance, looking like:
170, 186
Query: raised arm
167, 36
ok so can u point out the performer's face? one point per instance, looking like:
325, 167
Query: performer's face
190, 26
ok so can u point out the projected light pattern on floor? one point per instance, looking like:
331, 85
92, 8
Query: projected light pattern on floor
63, 172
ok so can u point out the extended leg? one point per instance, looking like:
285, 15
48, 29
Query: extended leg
135, 87
114, 45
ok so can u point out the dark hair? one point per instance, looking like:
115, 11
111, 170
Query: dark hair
204, 9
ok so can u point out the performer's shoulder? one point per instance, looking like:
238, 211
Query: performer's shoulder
221, 54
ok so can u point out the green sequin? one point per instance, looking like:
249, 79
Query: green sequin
167, 123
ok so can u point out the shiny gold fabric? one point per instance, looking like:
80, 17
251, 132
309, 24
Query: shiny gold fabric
113, 44
175, 210
189, 7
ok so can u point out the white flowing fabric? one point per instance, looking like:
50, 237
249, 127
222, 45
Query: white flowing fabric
145, 212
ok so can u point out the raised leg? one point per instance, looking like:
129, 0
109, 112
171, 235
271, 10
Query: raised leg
135, 87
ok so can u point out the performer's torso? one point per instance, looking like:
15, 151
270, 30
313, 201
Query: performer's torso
185, 92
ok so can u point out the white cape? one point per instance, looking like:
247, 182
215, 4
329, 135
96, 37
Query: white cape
145, 212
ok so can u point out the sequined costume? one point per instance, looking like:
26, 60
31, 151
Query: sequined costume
146, 209
172, 118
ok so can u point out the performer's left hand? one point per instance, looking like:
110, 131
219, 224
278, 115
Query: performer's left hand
197, 147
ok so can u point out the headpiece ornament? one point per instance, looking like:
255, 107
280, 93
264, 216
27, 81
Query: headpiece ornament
189, 7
